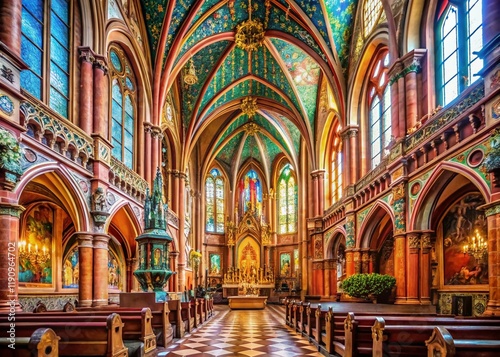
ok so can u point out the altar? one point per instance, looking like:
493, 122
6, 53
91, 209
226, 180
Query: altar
247, 302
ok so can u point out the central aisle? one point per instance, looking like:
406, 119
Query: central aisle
243, 333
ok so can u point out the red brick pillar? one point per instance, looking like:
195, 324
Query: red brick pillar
10, 24
9, 267
493, 215
315, 198
425, 267
357, 261
100, 245
156, 138
400, 267
172, 282
101, 95
349, 262
365, 260
393, 74
85, 269
148, 171
413, 269
86, 90
181, 264
321, 191
319, 277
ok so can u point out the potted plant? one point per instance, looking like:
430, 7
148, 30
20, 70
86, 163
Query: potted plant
368, 286
10, 159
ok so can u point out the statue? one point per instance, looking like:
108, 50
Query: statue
99, 200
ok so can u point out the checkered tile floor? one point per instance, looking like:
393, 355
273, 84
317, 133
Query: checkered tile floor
242, 333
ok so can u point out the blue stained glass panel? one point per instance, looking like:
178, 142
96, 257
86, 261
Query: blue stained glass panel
117, 94
115, 60
129, 108
58, 102
129, 123
128, 159
116, 111
117, 149
35, 7
31, 55
59, 30
32, 28
130, 85
59, 79
31, 83
60, 7
128, 141
116, 130
59, 54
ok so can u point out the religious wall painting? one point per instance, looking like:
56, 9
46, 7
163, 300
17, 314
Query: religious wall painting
250, 192
115, 278
285, 264
36, 247
215, 264
71, 269
463, 226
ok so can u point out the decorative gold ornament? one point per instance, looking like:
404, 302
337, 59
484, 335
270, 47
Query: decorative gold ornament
249, 106
251, 129
190, 76
249, 35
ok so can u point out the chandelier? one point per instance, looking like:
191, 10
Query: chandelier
37, 256
250, 33
190, 76
476, 247
249, 106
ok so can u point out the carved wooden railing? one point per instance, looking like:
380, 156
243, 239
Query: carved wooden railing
127, 180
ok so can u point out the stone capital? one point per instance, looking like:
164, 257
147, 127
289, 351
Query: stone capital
101, 241
86, 54
11, 209
101, 62
84, 239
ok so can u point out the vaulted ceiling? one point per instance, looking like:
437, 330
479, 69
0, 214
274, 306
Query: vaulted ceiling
265, 56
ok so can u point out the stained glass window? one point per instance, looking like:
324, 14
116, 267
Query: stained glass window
251, 193
51, 85
459, 35
214, 195
379, 99
371, 13
123, 104
287, 201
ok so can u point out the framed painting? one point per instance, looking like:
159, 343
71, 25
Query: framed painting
285, 260
71, 269
215, 264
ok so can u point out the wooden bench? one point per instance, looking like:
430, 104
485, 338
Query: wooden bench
96, 338
302, 317
410, 339
295, 315
441, 343
319, 327
175, 318
42, 343
186, 315
310, 321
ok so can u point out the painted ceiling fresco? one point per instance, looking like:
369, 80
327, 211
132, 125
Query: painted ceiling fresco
302, 43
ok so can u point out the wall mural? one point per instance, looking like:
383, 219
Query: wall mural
35, 248
115, 279
248, 258
71, 269
296, 261
463, 227
285, 261
215, 266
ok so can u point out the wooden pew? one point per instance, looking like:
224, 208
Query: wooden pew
410, 340
318, 329
302, 317
334, 334
187, 318
295, 315
310, 320
175, 318
96, 338
42, 343
441, 343
288, 315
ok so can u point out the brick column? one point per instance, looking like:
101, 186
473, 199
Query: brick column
396, 97
86, 89
493, 216
413, 269
181, 264
357, 261
100, 296
350, 243
101, 95
85, 270
315, 198
365, 260
320, 174
10, 24
9, 255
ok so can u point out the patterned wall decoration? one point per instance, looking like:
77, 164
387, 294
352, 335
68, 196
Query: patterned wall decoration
237, 123
52, 302
473, 158
204, 62
459, 227
271, 149
228, 152
399, 208
294, 132
305, 73
154, 12
350, 231
328, 235
445, 303
341, 16
250, 149
361, 217
318, 247
415, 189
271, 128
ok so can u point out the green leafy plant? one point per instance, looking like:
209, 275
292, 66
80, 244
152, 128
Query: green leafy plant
367, 285
10, 152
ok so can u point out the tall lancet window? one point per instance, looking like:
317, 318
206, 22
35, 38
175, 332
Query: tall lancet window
45, 48
287, 201
123, 106
214, 202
